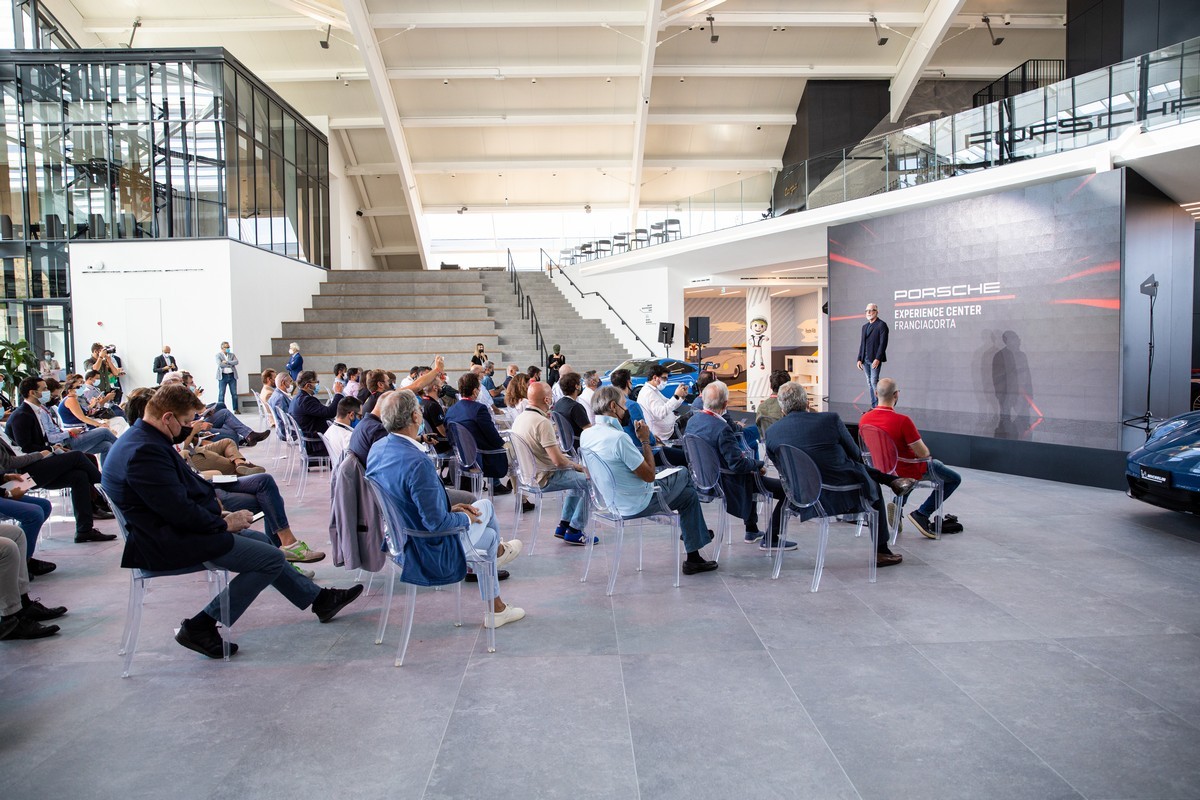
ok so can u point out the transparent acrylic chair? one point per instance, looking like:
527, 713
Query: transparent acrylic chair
602, 491
466, 454
802, 486
525, 474
396, 535
302, 441
880, 452
285, 441
704, 466
139, 580
566, 434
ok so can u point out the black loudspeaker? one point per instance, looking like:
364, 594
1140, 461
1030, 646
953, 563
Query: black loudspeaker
698, 330
666, 333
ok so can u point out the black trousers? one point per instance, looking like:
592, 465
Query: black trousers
74, 471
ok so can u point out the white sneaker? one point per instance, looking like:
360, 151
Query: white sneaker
509, 614
512, 549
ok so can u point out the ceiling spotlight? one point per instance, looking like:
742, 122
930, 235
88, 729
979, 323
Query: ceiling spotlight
445, 81
996, 40
587, 209
681, 80
325, 41
712, 29
462, 210
879, 40
608, 80
533, 80
1007, 19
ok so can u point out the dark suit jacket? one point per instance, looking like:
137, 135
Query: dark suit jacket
160, 361
313, 417
721, 437
477, 419
171, 513
874, 342
823, 438
24, 429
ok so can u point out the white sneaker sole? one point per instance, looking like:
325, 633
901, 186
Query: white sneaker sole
509, 614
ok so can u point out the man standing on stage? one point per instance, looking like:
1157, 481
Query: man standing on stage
872, 349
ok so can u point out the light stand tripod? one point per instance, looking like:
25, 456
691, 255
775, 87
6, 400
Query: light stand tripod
1144, 422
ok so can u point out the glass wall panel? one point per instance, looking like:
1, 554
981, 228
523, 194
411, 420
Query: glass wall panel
12, 205
131, 165
261, 123
262, 198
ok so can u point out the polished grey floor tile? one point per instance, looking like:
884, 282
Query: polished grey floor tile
943, 614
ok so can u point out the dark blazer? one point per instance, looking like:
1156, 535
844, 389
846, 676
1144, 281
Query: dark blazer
874, 342
477, 419
737, 487
24, 429
171, 513
313, 417
823, 438
161, 361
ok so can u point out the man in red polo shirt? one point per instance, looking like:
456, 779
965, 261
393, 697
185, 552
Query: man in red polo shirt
909, 445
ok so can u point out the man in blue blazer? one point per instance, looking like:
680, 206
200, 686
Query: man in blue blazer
823, 438
737, 468
310, 413
477, 418
173, 521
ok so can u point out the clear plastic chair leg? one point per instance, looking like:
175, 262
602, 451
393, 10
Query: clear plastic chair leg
410, 603
678, 547
873, 524
616, 556
822, 543
591, 545
387, 605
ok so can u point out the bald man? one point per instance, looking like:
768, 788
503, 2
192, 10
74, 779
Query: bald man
553, 470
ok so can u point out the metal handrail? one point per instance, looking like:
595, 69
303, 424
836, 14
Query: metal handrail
553, 265
525, 303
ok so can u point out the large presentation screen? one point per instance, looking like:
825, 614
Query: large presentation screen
1004, 311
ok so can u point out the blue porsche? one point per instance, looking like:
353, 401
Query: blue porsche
1165, 471
680, 372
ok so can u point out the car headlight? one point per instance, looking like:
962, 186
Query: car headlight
1167, 427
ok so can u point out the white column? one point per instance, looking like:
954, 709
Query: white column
758, 346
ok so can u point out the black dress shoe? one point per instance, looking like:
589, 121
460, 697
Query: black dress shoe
206, 641
500, 490
692, 567
473, 578
330, 601
38, 567
40, 613
255, 438
526, 506
29, 629
101, 513
94, 536
7, 624
902, 486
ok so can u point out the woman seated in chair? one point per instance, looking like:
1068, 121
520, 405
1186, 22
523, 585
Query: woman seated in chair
70, 410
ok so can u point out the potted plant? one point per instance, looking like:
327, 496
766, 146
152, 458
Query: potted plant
17, 362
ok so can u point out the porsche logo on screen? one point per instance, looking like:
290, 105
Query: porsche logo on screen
963, 290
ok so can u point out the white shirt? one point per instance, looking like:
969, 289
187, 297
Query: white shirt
555, 393
407, 380
585, 397
660, 412
338, 436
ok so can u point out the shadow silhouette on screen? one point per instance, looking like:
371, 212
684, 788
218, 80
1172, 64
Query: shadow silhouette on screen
1013, 386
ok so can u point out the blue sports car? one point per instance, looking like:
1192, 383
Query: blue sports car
1165, 471
681, 372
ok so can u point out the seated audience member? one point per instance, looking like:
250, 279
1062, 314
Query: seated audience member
633, 469
706, 377
30, 513
49, 367
364, 387
268, 389
400, 465
253, 491
377, 384
556, 395
489, 385
164, 363
516, 393
281, 399
391, 378
901, 430
20, 617
660, 411
353, 385
569, 406
174, 521
295, 362
554, 471
434, 415
748, 435
477, 419
339, 379
622, 381
366, 433
823, 438
33, 429
208, 456
510, 373
311, 414
591, 382
349, 411
66, 470
737, 468
98, 402
534, 373
412, 376
225, 425
70, 410
768, 411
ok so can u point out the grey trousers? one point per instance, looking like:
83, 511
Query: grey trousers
14, 572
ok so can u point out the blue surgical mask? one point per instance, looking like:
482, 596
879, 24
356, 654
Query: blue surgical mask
44, 397
192, 389
96, 383
316, 388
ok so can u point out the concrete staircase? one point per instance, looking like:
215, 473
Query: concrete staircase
393, 320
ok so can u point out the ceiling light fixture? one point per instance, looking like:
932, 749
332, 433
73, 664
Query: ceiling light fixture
879, 40
996, 40
587, 209
445, 81
462, 210
712, 29
325, 41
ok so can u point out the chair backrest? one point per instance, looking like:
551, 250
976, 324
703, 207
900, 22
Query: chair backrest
704, 464
524, 461
879, 448
120, 516
601, 482
396, 534
800, 476
465, 449
566, 432
334, 449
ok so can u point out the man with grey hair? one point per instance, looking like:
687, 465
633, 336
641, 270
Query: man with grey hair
399, 465
739, 481
823, 438
591, 382
632, 468
495, 392
872, 349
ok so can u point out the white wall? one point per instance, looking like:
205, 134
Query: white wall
189, 283
630, 294
266, 290
352, 241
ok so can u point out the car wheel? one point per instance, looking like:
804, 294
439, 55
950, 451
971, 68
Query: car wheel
737, 371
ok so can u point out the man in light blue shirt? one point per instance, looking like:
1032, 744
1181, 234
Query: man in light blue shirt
632, 469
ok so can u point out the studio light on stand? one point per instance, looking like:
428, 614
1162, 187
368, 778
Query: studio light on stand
1145, 422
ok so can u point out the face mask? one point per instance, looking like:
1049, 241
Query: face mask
316, 388
623, 418
96, 383
44, 397
48, 356
192, 389
184, 432
354, 422
226, 349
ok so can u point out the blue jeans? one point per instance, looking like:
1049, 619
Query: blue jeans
575, 506
97, 441
950, 481
30, 513
226, 425
872, 374
259, 564
227, 382
680, 495
256, 493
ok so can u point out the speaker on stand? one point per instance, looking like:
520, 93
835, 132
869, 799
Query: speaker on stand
698, 335
666, 335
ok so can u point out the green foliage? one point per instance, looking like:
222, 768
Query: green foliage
17, 362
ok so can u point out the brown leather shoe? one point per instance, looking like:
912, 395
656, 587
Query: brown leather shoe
887, 559
902, 486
